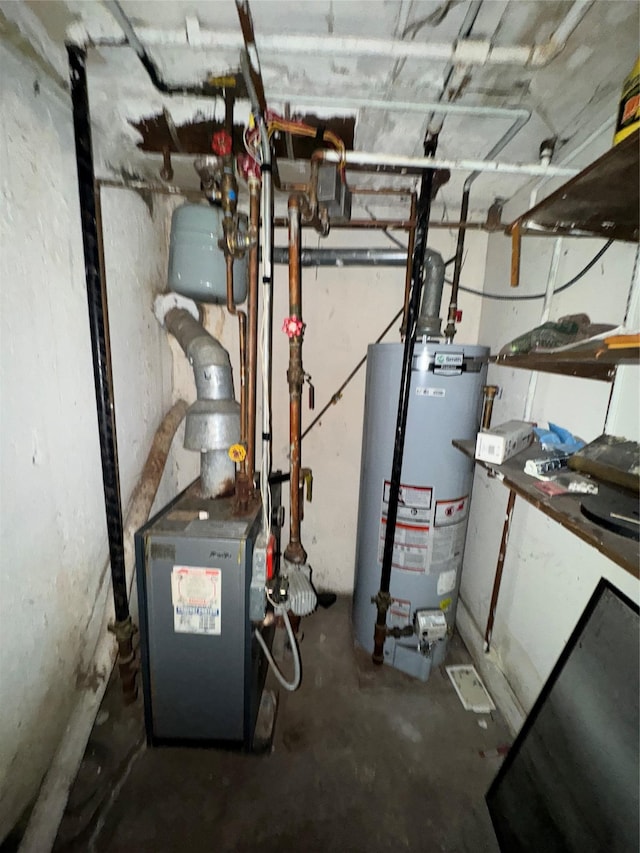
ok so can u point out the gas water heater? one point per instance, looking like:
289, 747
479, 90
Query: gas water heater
445, 403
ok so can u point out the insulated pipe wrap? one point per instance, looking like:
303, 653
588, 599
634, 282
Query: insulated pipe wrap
429, 319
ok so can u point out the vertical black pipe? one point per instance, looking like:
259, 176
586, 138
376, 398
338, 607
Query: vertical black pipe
383, 600
450, 329
99, 327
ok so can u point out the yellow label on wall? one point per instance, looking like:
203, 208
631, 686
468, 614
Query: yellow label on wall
445, 604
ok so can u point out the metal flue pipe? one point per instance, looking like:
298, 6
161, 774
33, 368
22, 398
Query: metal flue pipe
99, 327
383, 598
428, 322
213, 421
294, 552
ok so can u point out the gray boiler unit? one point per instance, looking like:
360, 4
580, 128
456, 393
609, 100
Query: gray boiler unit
445, 403
202, 668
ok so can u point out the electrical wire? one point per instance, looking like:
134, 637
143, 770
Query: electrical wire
504, 298
297, 667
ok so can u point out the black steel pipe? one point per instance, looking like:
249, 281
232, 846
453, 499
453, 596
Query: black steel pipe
344, 257
450, 329
383, 599
122, 628
99, 326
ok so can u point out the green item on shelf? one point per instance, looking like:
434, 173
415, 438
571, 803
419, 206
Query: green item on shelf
549, 335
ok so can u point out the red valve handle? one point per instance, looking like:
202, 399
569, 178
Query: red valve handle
292, 327
221, 143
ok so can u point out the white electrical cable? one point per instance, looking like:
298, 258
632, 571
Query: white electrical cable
291, 686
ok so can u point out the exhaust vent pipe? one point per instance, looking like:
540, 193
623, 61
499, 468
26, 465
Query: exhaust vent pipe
428, 324
213, 421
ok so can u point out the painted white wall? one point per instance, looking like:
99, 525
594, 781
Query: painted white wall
549, 574
52, 523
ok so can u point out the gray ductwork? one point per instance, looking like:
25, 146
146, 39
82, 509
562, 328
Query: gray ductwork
213, 421
428, 324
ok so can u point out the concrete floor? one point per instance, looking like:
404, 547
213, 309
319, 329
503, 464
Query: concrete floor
363, 759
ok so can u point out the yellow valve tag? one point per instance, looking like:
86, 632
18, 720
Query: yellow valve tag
227, 81
237, 452
308, 481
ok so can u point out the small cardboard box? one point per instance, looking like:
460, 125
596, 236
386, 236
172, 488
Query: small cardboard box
500, 443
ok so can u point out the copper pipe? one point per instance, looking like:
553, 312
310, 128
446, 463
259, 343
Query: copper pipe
450, 329
252, 310
516, 240
242, 329
407, 280
499, 568
294, 552
490, 392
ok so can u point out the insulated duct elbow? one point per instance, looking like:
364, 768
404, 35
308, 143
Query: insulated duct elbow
428, 324
213, 421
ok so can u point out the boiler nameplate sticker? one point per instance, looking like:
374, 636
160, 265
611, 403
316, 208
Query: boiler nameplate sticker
196, 596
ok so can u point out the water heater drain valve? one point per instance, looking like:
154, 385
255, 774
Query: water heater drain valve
431, 628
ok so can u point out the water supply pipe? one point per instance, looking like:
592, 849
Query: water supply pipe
122, 626
462, 51
252, 330
408, 264
403, 161
252, 76
294, 328
383, 598
243, 483
490, 392
510, 134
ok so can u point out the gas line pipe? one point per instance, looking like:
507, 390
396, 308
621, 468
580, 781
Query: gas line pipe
383, 598
122, 627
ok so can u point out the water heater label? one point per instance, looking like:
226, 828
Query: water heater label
452, 511
196, 596
446, 582
430, 392
448, 363
399, 613
412, 541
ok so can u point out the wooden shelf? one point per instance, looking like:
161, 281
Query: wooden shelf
589, 361
601, 201
565, 509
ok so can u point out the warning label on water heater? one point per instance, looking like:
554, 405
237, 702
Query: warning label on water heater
412, 542
196, 595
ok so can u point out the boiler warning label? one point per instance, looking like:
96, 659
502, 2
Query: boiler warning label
412, 541
196, 596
